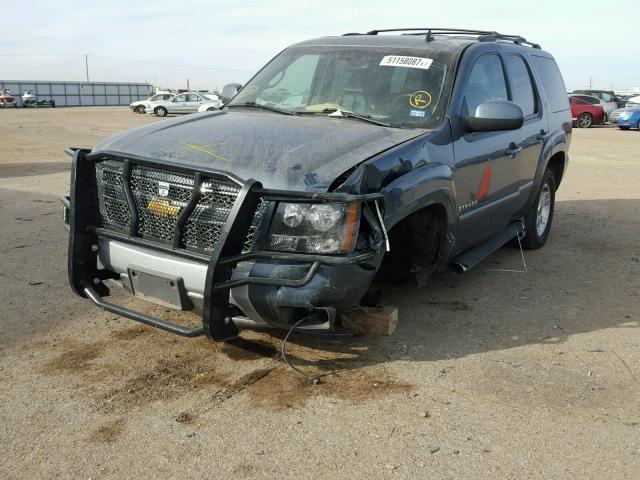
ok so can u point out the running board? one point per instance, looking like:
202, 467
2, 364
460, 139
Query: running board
472, 257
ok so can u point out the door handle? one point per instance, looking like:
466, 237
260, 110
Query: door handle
513, 150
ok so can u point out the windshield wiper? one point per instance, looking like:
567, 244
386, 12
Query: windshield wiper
336, 112
263, 107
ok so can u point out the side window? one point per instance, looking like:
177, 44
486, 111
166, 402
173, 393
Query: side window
589, 99
486, 82
193, 98
552, 82
180, 98
607, 97
520, 81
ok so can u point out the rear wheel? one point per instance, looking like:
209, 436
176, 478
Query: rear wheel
140, 109
585, 120
538, 219
623, 128
160, 112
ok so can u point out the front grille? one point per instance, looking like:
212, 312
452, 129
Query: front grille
160, 196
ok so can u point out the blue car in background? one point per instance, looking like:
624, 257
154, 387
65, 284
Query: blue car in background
629, 118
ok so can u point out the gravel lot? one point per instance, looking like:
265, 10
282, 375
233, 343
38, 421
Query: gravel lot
491, 374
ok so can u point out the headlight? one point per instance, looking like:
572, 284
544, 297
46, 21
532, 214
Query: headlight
314, 228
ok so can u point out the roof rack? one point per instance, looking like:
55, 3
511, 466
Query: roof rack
481, 35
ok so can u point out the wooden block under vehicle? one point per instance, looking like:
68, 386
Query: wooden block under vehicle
375, 320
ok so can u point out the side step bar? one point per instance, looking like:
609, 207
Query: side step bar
472, 257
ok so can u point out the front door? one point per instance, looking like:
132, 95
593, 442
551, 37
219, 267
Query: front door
486, 177
178, 104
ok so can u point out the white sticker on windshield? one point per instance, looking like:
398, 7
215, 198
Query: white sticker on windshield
409, 62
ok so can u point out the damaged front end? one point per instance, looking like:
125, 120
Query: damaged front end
205, 240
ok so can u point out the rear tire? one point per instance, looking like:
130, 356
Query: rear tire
140, 109
585, 120
538, 219
160, 112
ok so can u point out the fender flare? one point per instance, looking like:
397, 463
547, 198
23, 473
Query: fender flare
431, 184
554, 144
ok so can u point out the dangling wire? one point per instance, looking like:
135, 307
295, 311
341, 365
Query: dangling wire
313, 380
524, 264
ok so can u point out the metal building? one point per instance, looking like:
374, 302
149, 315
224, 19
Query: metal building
76, 94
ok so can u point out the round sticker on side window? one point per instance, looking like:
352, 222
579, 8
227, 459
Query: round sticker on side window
420, 99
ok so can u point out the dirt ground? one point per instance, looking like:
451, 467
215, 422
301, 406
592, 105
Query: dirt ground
491, 374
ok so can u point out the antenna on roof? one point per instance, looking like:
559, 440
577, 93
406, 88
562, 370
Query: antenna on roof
429, 37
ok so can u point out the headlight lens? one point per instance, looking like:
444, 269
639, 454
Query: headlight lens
314, 228
293, 215
323, 217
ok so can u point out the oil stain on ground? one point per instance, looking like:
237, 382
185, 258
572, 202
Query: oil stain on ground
75, 360
107, 433
139, 366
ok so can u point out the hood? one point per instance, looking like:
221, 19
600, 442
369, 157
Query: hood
280, 151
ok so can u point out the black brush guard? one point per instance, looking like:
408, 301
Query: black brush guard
87, 280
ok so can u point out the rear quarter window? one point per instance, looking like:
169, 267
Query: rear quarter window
552, 82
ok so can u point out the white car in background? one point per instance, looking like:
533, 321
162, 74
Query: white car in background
213, 103
187, 102
633, 102
141, 105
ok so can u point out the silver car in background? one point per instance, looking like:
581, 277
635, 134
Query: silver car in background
187, 102
141, 106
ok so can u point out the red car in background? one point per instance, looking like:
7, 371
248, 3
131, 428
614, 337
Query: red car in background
7, 100
585, 113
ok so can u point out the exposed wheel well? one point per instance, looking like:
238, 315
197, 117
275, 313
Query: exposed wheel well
556, 165
416, 243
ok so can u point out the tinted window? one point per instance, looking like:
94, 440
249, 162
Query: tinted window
589, 99
552, 82
520, 82
486, 82
607, 97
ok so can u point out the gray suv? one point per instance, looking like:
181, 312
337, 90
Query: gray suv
343, 159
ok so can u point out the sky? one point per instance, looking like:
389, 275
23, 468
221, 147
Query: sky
212, 43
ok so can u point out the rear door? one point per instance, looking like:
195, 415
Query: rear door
193, 102
486, 177
527, 140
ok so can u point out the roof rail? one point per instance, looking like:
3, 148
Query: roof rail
481, 35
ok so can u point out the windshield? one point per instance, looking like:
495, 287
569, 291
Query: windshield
397, 86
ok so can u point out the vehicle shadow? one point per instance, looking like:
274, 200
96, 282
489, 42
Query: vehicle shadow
586, 278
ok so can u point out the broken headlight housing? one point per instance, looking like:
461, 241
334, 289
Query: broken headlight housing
321, 228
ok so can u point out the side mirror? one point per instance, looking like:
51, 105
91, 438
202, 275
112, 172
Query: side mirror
229, 91
494, 116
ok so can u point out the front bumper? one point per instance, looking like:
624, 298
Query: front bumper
264, 287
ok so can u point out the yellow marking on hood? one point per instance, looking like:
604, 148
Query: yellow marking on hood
200, 148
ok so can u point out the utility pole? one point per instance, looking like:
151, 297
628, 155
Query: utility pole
590, 81
86, 65
189, 89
